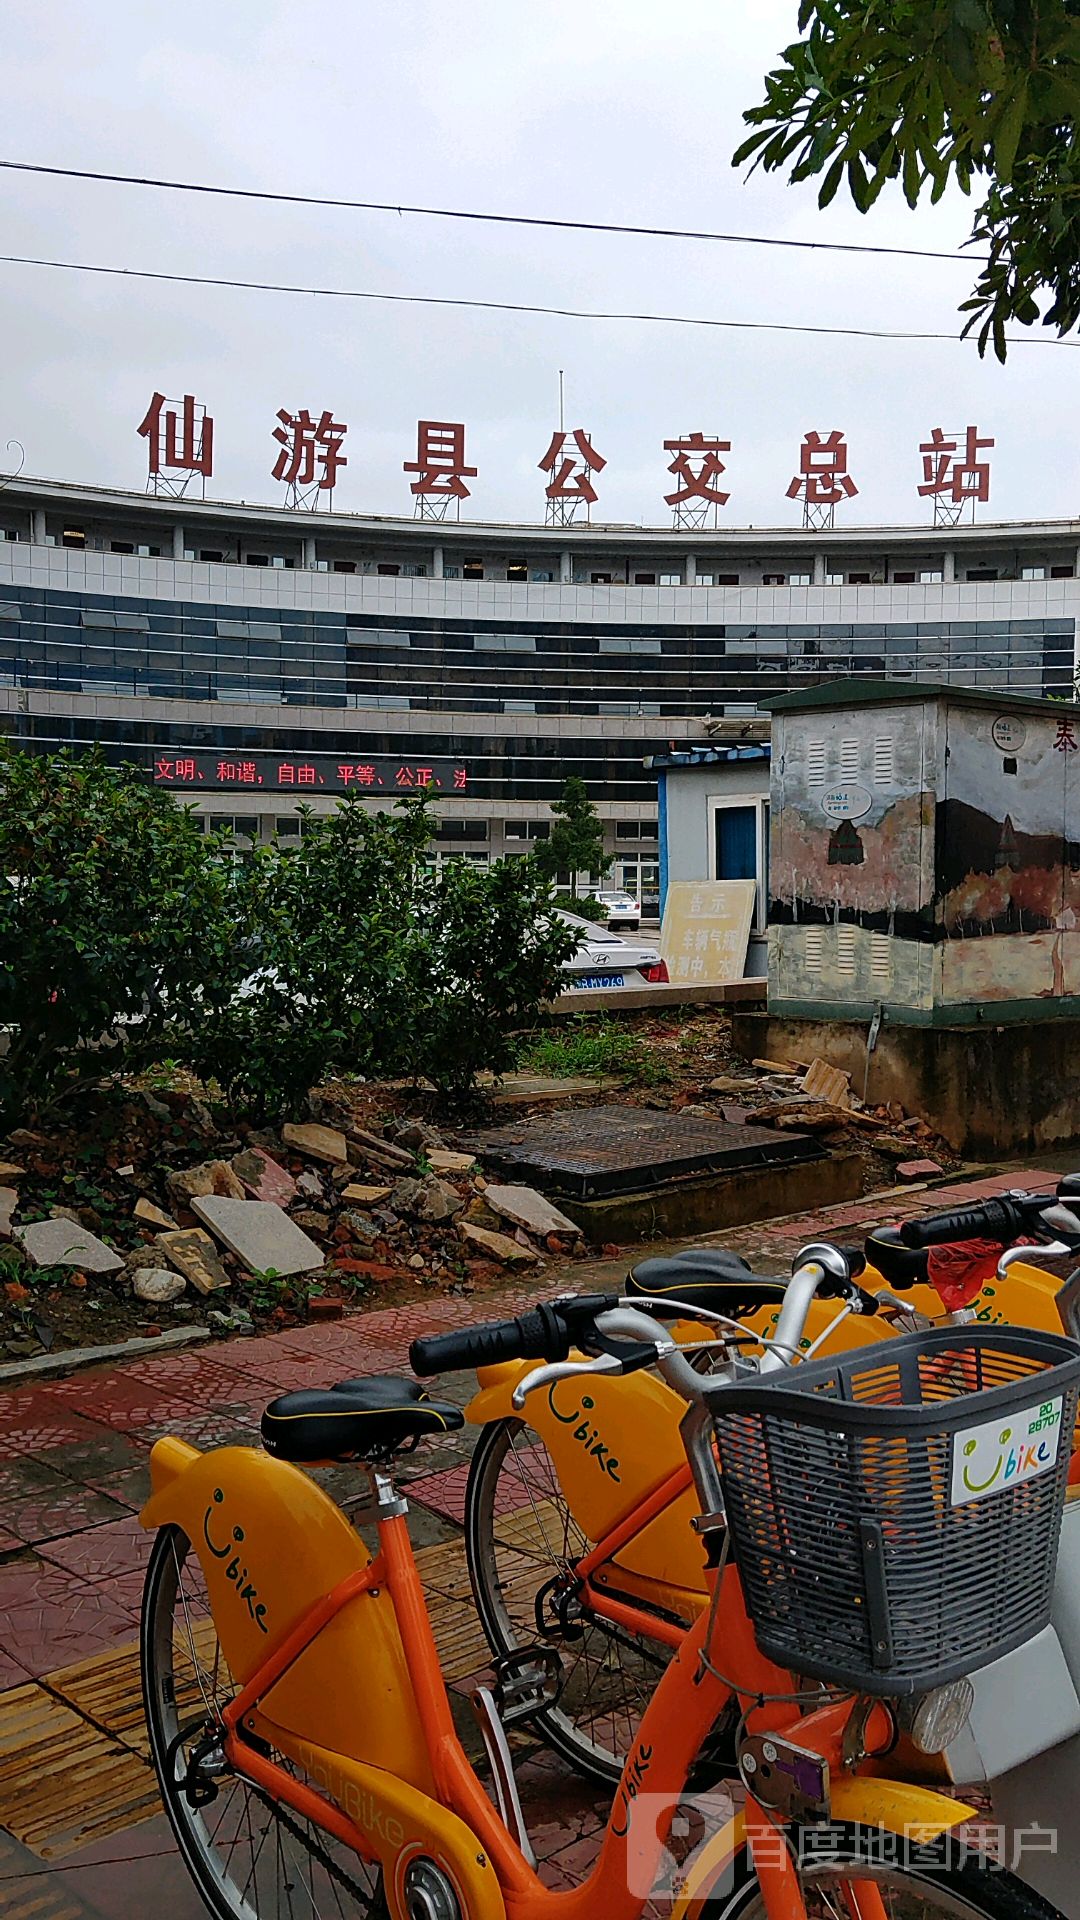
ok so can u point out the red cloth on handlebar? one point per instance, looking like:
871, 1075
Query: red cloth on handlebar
960, 1270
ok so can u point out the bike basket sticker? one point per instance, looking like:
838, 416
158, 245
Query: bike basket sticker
1004, 1452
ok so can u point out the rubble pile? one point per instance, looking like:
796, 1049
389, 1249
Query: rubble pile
264, 1228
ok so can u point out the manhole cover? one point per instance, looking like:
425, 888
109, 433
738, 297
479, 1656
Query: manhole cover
593, 1151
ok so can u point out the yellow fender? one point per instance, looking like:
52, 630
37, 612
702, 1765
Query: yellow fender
898, 1806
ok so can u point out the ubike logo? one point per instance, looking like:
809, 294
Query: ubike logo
1004, 1453
587, 1436
361, 1805
234, 1569
630, 1786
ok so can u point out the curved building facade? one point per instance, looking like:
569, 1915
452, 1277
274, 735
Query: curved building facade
257, 659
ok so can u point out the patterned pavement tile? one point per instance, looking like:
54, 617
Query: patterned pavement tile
103, 1553
64, 1511
53, 1616
35, 1420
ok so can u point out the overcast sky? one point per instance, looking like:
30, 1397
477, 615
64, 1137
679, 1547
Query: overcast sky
620, 110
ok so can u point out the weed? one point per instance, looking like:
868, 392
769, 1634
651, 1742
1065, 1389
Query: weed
592, 1044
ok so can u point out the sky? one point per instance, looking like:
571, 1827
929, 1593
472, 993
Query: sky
611, 110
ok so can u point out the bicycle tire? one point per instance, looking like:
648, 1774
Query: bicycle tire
957, 1882
609, 1677
185, 1669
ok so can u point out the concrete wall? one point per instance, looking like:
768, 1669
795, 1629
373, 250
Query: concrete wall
988, 1090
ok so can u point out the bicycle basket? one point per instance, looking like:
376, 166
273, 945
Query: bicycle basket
895, 1511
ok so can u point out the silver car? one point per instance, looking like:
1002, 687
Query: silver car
604, 961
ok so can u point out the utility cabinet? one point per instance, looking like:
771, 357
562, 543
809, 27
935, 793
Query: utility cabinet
924, 854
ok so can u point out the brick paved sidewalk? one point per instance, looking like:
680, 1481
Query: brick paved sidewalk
81, 1832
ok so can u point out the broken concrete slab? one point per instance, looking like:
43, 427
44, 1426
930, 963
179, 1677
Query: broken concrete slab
260, 1234
371, 1145
192, 1253
918, 1170
10, 1172
184, 1184
361, 1196
316, 1141
9, 1200
498, 1246
529, 1209
444, 1160
152, 1216
429, 1199
159, 1286
262, 1177
828, 1084
66, 1243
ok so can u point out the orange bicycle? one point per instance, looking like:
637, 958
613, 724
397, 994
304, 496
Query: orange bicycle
300, 1726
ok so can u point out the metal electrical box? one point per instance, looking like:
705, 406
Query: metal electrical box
924, 854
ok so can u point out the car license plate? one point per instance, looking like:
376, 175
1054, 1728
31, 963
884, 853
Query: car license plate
600, 980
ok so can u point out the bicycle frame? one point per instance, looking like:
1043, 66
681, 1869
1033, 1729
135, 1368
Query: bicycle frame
392, 1819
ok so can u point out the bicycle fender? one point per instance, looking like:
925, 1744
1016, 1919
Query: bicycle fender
271, 1544
914, 1813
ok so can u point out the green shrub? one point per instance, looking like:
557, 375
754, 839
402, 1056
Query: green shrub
114, 912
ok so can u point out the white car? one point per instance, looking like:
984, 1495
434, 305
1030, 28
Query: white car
603, 961
621, 908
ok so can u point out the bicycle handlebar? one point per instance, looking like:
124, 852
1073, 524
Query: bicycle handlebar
546, 1332
1003, 1219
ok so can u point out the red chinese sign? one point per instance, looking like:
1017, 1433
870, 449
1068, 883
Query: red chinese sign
569, 480
283, 773
180, 436
697, 466
440, 460
946, 471
310, 449
823, 476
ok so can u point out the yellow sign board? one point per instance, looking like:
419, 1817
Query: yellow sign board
706, 930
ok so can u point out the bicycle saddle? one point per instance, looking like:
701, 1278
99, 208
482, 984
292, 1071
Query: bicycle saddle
363, 1419
709, 1277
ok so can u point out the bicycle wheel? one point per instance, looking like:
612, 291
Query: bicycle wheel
250, 1858
522, 1546
916, 1881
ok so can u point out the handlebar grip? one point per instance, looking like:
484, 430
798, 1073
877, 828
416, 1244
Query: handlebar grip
998, 1220
537, 1335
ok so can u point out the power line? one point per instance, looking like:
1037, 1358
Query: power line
508, 306
495, 219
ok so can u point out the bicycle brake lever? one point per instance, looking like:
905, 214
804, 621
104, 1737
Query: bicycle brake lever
554, 1370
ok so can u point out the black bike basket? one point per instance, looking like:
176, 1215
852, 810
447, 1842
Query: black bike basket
895, 1511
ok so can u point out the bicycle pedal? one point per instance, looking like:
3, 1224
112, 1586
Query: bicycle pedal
526, 1682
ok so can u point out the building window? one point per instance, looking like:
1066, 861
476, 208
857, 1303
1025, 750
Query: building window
858, 579
451, 573
256, 559
1061, 573
461, 830
626, 830
727, 579
600, 579
288, 826
906, 579
526, 829
473, 569
344, 566
705, 580
740, 848
799, 580
414, 570
644, 579
773, 579
73, 537
834, 579
148, 553
121, 546
213, 554
542, 576
930, 577
671, 579
388, 567
982, 573
517, 570
1033, 573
